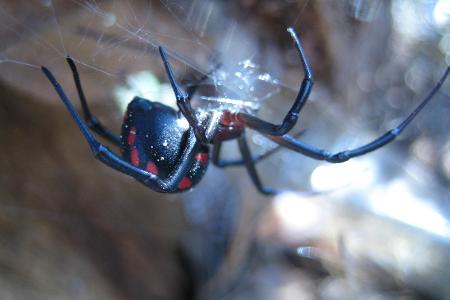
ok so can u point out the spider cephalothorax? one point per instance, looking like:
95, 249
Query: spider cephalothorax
167, 150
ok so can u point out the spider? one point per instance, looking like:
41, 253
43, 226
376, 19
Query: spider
161, 152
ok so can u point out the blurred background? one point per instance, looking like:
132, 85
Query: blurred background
376, 227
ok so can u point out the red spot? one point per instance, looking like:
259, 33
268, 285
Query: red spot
202, 158
134, 157
132, 136
152, 168
184, 183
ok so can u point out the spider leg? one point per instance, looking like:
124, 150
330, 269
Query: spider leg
250, 166
102, 153
239, 162
291, 117
236, 162
91, 121
184, 101
319, 154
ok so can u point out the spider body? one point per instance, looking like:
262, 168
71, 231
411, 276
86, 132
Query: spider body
229, 127
167, 150
153, 138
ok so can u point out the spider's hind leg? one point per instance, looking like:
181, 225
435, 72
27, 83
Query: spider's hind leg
91, 120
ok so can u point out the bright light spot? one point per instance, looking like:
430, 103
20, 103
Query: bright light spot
423, 149
144, 84
359, 173
183, 123
167, 96
297, 215
441, 13
291, 289
265, 77
248, 64
109, 19
398, 202
263, 142
411, 19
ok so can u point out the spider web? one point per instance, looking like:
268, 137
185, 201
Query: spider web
111, 39
115, 45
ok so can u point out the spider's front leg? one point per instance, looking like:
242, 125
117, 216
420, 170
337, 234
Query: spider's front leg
291, 117
184, 103
102, 153
298, 146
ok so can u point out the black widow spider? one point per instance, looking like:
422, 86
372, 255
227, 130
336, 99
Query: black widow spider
166, 156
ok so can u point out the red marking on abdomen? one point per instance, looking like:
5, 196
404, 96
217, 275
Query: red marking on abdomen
202, 158
132, 136
134, 157
184, 183
152, 168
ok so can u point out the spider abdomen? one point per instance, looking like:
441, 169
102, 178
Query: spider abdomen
153, 138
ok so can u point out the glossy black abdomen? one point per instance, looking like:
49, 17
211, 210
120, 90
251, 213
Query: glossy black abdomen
153, 138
